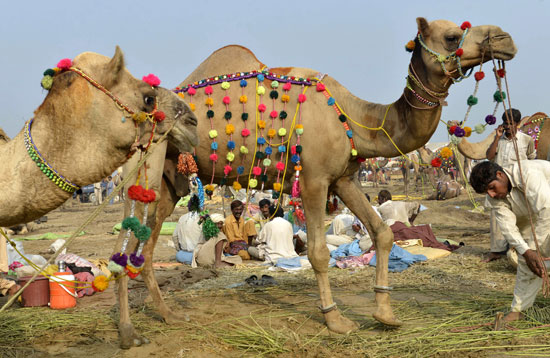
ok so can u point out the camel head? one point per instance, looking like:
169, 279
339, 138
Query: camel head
445, 51
92, 115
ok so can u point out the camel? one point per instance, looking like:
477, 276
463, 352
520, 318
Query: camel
531, 125
84, 135
329, 159
375, 165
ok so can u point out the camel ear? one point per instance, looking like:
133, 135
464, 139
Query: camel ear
114, 69
423, 27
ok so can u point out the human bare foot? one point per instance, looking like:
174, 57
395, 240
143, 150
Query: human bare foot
494, 256
222, 264
513, 316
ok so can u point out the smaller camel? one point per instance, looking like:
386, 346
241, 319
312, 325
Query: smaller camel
376, 165
79, 135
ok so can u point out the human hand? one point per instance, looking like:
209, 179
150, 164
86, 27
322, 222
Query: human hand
355, 227
534, 262
500, 130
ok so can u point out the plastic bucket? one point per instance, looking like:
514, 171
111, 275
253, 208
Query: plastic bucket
62, 291
37, 293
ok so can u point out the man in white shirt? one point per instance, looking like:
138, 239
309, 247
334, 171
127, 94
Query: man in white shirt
506, 197
275, 239
502, 152
392, 211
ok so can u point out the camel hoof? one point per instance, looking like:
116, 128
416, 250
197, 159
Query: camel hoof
129, 338
339, 324
175, 318
387, 319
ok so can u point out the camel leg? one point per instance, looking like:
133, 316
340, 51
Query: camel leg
382, 237
313, 196
128, 336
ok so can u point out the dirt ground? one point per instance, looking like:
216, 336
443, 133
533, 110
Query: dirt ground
222, 317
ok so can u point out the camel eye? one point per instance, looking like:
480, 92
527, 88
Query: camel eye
451, 39
149, 100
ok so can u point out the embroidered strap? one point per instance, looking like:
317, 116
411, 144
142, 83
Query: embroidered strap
382, 289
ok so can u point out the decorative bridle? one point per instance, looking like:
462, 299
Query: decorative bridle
64, 65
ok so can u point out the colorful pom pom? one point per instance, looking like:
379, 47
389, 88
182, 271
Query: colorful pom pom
229, 129
465, 25
213, 133
295, 158
472, 100
467, 131
143, 233
214, 157
243, 83
159, 116
240, 170
320, 88
261, 124
230, 157
227, 115
256, 170
130, 223
266, 162
302, 98
208, 90
100, 283
150, 79
253, 183
459, 52
191, 91
280, 166
299, 131
490, 119
499, 96
49, 72
287, 86
261, 107
243, 149
137, 261
274, 114
274, 84
225, 85
244, 116
452, 129
409, 46
115, 268
261, 140
227, 169
459, 132
479, 129
281, 149
354, 152
47, 82
261, 90
331, 101
245, 132
268, 150
243, 99
181, 95
282, 132
66, 63
436, 162
120, 258
226, 99
446, 152
271, 133
209, 101
135, 192
261, 77
237, 186
214, 146
192, 106
479, 75
283, 115
285, 98
501, 72
230, 145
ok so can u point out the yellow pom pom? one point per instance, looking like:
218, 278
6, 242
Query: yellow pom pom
209, 102
139, 117
277, 186
261, 90
253, 183
244, 150
446, 152
354, 152
467, 131
226, 85
285, 98
181, 95
56, 70
230, 157
101, 283
299, 126
47, 82
271, 133
410, 46
261, 124
229, 128
213, 133
282, 132
133, 269
209, 187
192, 106
243, 99
237, 186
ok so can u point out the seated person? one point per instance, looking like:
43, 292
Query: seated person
210, 252
297, 218
275, 239
7, 287
187, 236
262, 217
392, 211
239, 233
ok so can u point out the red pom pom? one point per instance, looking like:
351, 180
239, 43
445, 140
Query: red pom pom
227, 169
148, 196
302, 98
261, 107
479, 75
191, 91
208, 90
465, 25
214, 157
65, 64
226, 100
132, 275
436, 162
320, 87
452, 129
152, 80
360, 160
159, 116
135, 192
256, 170
501, 73
273, 114
459, 52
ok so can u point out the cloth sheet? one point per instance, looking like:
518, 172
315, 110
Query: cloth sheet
400, 259
351, 249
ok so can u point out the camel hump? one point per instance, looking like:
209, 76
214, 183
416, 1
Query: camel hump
3, 137
226, 60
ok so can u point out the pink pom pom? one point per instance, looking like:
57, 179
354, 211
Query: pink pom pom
227, 169
293, 150
273, 114
226, 100
302, 98
208, 90
296, 189
286, 86
261, 107
320, 87
256, 170
214, 157
245, 132
152, 80
65, 64
280, 166
191, 91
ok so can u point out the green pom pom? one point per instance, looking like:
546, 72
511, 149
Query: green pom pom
273, 94
209, 229
498, 97
342, 118
471, 100
131, 223
275, 195
47, 82
49, 72
143, 233
244, 116
227, 115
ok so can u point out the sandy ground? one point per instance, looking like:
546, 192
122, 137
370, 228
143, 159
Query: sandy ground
284, 316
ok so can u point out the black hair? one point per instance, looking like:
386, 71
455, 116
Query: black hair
482, 174
513, 113
236, 204
367, 196
276, 212
384, 194
264, 202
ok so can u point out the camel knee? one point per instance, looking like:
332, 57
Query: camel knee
384, 238
319, 257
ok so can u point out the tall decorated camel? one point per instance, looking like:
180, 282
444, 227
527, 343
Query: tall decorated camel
533, 126
82, 132
296, 130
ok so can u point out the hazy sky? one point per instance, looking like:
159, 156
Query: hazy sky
360, 43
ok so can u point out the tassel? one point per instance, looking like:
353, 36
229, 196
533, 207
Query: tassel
296, 189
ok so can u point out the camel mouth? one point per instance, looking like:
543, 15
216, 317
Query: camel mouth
500, 46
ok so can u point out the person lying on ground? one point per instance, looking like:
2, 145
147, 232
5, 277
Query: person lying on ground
392, 211
506, 196
275, 239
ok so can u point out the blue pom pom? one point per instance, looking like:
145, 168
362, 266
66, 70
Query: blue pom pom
268, 150
243, 83
261, 141
231, 145
214, 146
349, 133
240, 170
282, 149
331, 101
261, 77
295, 158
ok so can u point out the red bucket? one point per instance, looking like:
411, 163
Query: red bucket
37, 293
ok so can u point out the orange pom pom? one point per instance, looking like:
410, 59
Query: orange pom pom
271, 133
261, 124
209, 101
